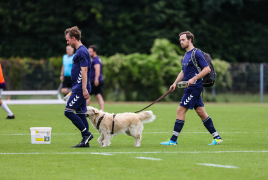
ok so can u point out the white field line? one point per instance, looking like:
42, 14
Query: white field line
154, 159
216, 165
107, 154
144, 133
156, 152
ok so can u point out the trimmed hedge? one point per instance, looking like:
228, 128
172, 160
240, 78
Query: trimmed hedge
136, 77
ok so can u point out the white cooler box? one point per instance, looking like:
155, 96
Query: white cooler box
41, 135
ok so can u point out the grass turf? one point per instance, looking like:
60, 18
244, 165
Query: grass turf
242, 127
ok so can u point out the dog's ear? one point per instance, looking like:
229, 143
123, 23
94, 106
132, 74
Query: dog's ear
95, 111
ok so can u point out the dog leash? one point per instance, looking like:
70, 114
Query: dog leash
164, 95
112, 132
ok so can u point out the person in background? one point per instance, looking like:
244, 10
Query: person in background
96, 79
3, 105
65, 75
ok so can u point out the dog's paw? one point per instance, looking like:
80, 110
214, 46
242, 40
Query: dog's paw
101, 144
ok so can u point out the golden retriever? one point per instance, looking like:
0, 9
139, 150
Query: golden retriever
128, 123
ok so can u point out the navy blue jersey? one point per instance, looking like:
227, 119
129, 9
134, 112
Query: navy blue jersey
189, 70
80, 59
95, 60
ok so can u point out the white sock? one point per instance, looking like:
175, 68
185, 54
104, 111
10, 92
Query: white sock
4, 106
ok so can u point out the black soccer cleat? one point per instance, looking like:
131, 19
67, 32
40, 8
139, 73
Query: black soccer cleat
81, 145
84, 142
10, 117
90, 137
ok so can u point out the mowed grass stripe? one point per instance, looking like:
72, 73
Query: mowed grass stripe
143, 133
157, 152
216, 165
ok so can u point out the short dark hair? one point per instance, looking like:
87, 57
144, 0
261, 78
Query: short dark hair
189, 35
93, 47
73, 32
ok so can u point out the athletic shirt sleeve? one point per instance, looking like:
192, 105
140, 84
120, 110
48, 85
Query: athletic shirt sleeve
97, 61
93, 62
83, 60
200, 59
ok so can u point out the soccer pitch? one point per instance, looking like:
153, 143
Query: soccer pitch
242, 155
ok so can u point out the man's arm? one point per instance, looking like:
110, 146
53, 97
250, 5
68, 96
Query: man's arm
97, 74
179, 78
62, 73
204, 72
84, 82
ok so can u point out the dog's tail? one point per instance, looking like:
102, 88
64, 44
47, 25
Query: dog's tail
146, 116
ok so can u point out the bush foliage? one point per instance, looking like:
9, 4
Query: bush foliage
136, 77
146, 77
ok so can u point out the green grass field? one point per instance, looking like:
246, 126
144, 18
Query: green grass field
242, 155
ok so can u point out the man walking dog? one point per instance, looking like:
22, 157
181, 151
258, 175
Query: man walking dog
192, 94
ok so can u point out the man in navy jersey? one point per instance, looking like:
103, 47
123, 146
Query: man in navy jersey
96, 79
192, 94
80, 74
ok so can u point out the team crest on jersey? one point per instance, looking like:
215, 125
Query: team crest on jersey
186, 63
74, 100
188, 99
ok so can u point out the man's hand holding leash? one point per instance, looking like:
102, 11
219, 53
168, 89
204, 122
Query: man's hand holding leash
204, 72
191, 81
172, 87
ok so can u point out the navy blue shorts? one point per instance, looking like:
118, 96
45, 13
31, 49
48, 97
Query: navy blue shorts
192, 100
96, 89
77, 102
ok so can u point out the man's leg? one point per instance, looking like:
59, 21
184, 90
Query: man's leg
101, 101
181, 111
10, 115
78, 103
84, 120
64, 91
207, 121
77, 121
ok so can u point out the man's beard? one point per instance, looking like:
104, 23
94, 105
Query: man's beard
185, 47
72, 45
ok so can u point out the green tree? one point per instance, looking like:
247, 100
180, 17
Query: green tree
233, 30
